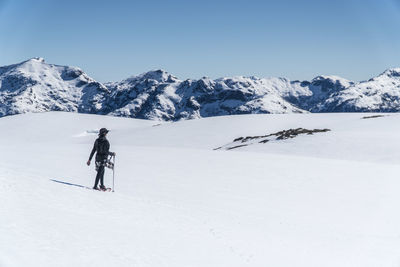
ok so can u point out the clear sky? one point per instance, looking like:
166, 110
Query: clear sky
111, 40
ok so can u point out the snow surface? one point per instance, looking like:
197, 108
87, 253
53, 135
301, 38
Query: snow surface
329, 199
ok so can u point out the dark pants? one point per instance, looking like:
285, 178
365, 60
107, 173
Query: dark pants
100, 174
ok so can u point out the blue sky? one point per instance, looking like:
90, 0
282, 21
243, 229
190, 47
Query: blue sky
111, 40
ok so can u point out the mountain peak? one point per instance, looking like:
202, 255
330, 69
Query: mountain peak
329, 82
158, 75
32, 65
329, 77
36, 59
392, 72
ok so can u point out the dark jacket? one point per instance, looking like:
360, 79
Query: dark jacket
102, 146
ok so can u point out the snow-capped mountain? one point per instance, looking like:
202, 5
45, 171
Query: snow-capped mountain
379, 94
311, 95
159, 95
35, 86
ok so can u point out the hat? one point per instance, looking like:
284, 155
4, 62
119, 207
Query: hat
103, 131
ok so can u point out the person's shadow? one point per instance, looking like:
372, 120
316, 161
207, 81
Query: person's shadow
71, 184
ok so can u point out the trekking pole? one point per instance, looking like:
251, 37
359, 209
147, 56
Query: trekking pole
113, 171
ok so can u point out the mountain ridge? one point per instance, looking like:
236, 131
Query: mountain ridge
36, 86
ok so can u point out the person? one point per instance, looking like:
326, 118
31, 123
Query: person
102, 147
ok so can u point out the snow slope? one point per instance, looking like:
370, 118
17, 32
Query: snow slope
328, 199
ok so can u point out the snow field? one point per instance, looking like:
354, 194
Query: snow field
329, 199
